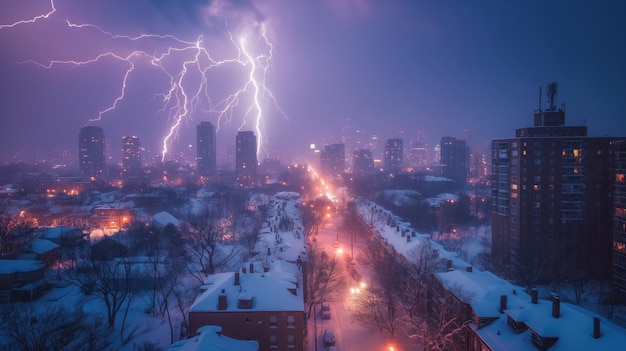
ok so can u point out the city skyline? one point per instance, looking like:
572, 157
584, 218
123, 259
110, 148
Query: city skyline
391, 70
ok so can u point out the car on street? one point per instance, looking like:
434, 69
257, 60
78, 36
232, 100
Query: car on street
325, 310
329, 338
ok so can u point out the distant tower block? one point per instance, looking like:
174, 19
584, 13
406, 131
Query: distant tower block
91, 152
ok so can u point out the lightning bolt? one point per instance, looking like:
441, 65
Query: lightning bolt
32, 20
186, 64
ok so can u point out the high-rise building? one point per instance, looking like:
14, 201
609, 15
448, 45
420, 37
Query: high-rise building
91, 152
454, 162
131, 156
245, 158
207, 151
552, 189
393, 156
333, 159
619, 218
419, 159
362, 161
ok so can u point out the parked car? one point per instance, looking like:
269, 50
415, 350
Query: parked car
329, 338
325, 310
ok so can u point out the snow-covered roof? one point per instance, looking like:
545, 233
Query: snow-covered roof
401, 197
210, 338
430, 178
269, 291
573, 328
392, 237
58, 232
42, 246
15, 266
284, 243
164, 218
482, 291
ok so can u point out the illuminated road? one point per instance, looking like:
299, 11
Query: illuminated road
349, 335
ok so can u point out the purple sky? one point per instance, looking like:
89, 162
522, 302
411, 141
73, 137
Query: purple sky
389, 68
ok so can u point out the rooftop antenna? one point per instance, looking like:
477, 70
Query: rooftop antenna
551, 91
539, 99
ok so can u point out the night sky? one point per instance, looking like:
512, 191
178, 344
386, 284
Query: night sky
470, 69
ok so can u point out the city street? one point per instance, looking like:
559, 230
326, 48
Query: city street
349, 335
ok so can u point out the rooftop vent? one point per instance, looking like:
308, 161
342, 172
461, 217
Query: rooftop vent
244, 301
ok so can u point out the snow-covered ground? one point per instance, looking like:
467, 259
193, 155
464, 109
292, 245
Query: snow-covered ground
281, 239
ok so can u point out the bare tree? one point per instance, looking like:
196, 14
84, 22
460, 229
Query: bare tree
53, 328
203, 235
313, 216
532, 263
421, 262
444, 323
378, 307
323, 278
105, 271
376, 311
372, 216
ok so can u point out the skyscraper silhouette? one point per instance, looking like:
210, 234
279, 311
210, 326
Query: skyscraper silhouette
91, 152
393, 156
245, 158
131, 156
206, 149
333, 159
454, 161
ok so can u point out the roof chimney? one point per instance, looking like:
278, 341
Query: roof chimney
236, 278
596, 327
448, 265
502, 303
221, 301
556, 307
251, 268
468, 268
534, 296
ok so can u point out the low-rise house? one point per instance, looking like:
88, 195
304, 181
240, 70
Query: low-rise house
253, 305
62, 236
210, 338
115, 217
21, 280
162, 219
504, 317
41, 250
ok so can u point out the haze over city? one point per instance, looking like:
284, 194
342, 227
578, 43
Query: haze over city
353, 175
392, 69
